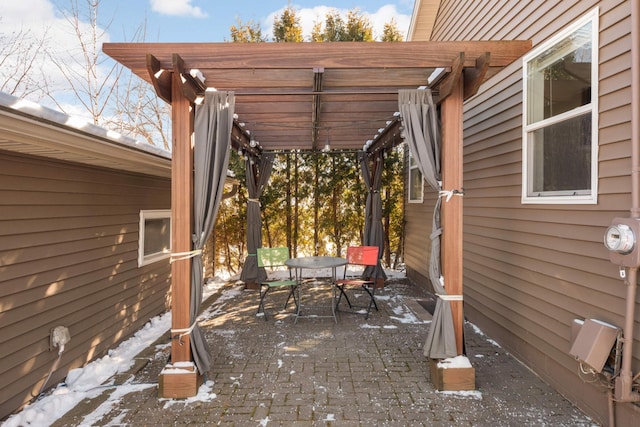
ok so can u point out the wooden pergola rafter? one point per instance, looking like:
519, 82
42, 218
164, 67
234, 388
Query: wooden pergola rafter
301, 95
295, 96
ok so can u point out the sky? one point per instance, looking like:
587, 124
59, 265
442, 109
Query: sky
209, 20
194, 20
149, 21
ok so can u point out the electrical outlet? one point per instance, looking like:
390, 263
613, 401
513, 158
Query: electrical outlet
59, 336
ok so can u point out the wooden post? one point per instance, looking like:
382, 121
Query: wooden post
451, 244
180, 383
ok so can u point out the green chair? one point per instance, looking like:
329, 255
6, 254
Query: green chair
274, 258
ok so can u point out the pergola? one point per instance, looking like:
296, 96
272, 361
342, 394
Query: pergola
312, 96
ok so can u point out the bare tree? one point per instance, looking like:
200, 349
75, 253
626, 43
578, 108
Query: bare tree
89, 74
138, 110
20, 73
108, 94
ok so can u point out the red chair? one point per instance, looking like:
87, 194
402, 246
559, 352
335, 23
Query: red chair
360, 256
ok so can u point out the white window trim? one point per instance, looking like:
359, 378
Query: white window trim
151, 214
527, 172
415, 166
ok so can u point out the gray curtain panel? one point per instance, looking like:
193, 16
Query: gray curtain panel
212, 140
420, 120
373, 229
251, 273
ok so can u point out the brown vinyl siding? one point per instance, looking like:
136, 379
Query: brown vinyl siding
418, 222
416, 252
68, 256
529, 270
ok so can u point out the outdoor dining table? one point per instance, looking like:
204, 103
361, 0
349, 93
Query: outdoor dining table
316, 263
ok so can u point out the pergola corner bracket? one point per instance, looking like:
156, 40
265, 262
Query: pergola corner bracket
192, 88
447, 84
473, 77
160, 78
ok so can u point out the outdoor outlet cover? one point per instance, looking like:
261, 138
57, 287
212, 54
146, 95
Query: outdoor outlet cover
59, 336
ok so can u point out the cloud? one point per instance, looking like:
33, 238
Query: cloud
44, 28
25, 13
177, 8
309, 16
384, 15
38, 20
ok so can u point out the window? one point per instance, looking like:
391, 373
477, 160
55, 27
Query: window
154, 242
560, 144
416, 183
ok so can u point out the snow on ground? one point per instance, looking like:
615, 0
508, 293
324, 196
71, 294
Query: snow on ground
90, 381
87, 382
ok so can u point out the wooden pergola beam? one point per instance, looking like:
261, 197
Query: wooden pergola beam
390, 137
343, 55
178, 385
446, 86
190, 89
451, 211
160, 79
474, 76
315, 108
273, 81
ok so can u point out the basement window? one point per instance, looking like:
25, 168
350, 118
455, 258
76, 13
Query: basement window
560, 114
154, 241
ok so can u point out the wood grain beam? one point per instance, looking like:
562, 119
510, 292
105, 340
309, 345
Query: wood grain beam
315, 108
446, 85
381, 55
241, 140
160, 79
473, 77
452, 179
181, 214
190, 89
389, 138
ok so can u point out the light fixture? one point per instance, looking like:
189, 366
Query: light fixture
327, 145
